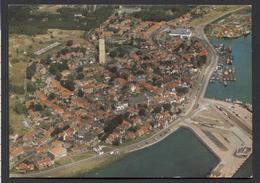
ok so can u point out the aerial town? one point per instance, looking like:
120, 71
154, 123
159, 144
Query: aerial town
128, 80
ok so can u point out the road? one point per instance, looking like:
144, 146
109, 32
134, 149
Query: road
197, 94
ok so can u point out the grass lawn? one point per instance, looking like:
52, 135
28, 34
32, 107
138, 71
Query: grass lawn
63, 161
15, 119
82, 156
220, 9
49, 8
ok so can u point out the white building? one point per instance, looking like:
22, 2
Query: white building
181, 32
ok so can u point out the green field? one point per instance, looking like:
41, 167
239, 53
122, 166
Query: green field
218, 11
28, 19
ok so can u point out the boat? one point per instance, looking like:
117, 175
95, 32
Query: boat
246, 33
225, 83
238, 102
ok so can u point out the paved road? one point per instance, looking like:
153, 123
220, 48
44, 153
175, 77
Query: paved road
197, 94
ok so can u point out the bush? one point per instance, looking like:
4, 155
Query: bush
69, 43
68, 84
30, 87
58, 67
20, 108
80, 76
30, 71
51, 96
14, 60
80, 93
37, 107
17, 89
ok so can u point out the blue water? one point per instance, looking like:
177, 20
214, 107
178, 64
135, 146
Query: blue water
241, 89
180, 154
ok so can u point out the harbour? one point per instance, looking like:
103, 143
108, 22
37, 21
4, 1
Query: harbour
136, 164
241, 88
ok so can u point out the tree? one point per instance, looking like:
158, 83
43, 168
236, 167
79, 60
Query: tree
142, 112
53, 69
68, 84
37, 107
17, 89
167, 107
20, 108
116, 142
80, 93
11, 129
30, 87
83, 50
80, 76
15, 60
47, 61
181, 90
58, 76
157, 109
71, 77
51, 96
69, 43
112, 54
30, 71
79, 69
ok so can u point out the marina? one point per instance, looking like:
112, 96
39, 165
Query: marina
225, 71
241, 88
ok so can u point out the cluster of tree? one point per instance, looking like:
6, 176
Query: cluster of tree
69, 43
119, 51
70, 85
116, 142
30, 87
20, 12
28, 20
202, 60
17, 89
20, 108
46, 61
80, 93
112, 124
162, 13
31, 70
57, 130
51, 96
157, 109
58, 67
71, 49
14, 60
37, 107
181, 90
11, 129
133, 128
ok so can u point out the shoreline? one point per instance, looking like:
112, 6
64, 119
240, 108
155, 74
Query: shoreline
228, 38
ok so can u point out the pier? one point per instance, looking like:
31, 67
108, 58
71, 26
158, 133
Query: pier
226, 135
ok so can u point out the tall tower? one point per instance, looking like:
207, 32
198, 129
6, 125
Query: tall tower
102, 52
